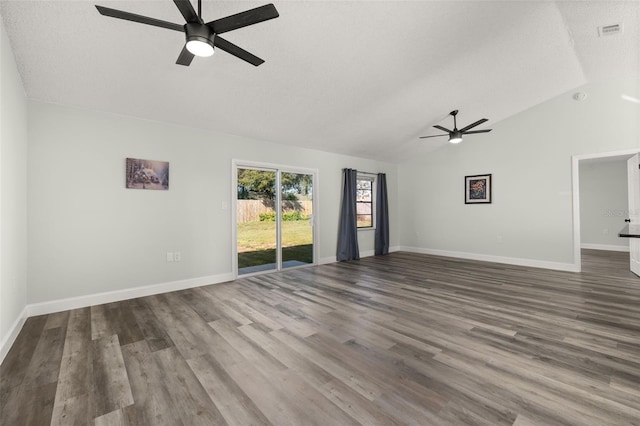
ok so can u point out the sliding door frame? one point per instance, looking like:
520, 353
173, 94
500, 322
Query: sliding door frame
278, 169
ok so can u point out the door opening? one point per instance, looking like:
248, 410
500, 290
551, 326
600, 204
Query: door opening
611, 211
274, 218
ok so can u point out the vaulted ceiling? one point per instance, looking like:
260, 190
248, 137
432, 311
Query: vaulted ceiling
352, 77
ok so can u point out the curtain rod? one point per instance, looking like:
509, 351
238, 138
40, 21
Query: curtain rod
367, 173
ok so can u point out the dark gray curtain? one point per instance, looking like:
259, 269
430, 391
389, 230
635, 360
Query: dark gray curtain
382, 216
348, 230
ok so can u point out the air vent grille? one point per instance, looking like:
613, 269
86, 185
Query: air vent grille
608, 30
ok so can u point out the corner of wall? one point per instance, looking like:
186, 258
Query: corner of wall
12, 334
13, 201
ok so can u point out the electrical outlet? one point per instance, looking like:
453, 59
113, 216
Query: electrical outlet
169, 256
499, 238
177, 256
605, 231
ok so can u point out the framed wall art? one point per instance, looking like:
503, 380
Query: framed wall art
477, 189
147, 174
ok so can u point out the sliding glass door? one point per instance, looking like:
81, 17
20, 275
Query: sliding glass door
296, 208
256, 229
274, 219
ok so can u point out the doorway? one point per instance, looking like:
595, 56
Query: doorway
274, 222
613, 212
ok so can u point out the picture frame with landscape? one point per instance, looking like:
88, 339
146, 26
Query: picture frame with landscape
146, 174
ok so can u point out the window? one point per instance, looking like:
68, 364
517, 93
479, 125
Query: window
365, 201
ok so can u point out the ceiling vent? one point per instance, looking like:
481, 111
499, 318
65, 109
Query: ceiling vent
608, 30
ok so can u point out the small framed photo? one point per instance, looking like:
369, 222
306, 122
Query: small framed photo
147, 174
477, 189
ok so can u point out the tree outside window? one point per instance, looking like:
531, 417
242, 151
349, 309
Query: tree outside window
365, 201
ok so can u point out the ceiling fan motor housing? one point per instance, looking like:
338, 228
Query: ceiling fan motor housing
196, 31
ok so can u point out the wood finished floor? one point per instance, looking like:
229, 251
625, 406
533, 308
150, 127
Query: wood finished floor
398, 339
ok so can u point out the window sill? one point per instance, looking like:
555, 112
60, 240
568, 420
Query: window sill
367, 229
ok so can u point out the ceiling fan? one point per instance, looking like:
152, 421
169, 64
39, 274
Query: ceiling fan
201, 37
455, 135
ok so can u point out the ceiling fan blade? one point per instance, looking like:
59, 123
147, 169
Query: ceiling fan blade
477, 131
186, 8
443, 129
434, 136
113, 13
185, 57
243, 19
477, 123
236, 51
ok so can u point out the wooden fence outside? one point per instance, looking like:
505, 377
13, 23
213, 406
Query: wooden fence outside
249, 210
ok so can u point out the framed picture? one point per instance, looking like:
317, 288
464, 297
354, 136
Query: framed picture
477, 189
147, 174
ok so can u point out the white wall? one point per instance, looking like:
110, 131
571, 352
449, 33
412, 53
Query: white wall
529, 156
13, 198
603, 204
88, 234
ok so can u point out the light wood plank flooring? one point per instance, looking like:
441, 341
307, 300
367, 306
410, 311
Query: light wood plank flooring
398, 339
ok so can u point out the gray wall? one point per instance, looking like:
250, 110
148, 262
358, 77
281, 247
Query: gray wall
529, 156
13, 190
603, 204
88, 234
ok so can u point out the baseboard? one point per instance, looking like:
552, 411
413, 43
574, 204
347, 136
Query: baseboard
367, 253
607, 247
8, 340
325, 260
533, 263
124, 294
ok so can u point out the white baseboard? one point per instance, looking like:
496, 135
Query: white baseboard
367, 253
325, 260
533, 263
124, 294
608, 247
8, 340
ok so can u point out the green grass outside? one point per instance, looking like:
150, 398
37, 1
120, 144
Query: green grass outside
257, 242
302, 253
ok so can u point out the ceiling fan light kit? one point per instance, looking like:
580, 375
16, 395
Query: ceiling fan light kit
455, 135
201, 37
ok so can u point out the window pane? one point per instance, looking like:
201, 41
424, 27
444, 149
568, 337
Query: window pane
364, 184
363, 195
364, 214
296, 229
365, 221
363, 208
256, 225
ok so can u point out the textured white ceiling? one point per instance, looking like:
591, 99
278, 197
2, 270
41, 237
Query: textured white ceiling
352, 77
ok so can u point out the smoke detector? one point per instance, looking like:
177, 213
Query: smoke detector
608, 30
